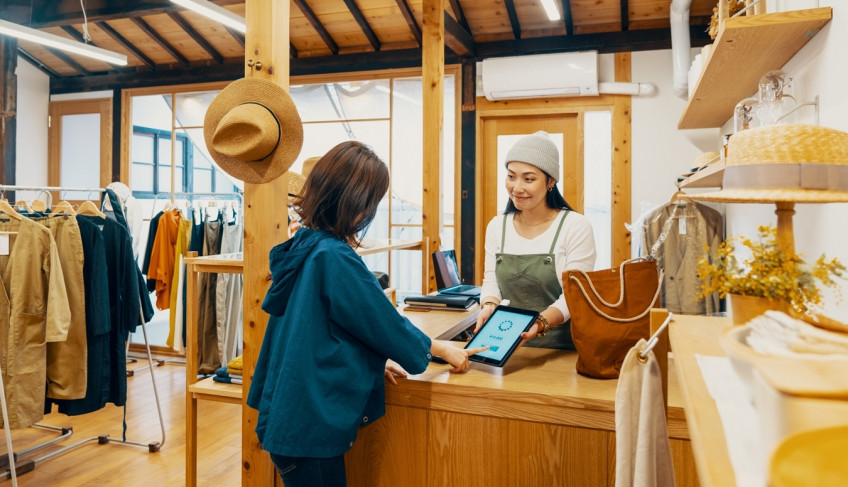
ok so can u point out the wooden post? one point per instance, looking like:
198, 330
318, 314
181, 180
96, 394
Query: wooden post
785, 229
658, 316
266, 47
621, 166
433, 74
8, 110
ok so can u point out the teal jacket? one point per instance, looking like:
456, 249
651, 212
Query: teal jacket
319, 375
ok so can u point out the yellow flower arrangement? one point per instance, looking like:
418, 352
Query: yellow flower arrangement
770, 272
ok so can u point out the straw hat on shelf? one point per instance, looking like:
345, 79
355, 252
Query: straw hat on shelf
785, 163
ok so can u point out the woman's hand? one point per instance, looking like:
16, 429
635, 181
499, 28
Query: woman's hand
392, 370
455, 356
530, 333
486, 310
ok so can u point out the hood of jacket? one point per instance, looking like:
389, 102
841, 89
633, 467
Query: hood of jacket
286, 261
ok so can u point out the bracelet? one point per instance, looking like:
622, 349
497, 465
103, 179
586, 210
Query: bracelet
544, 328
492, 303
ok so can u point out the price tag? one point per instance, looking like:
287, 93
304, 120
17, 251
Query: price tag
681, 226
4, 244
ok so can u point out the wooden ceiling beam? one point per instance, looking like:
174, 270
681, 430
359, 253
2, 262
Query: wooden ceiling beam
238, 36
68, 60
410, 20
126, 44
293, 51
38, 64
199, 39
363, 24
158, 39
513, 19
567, 18
458, 39
317, 25
459, 14
625, 15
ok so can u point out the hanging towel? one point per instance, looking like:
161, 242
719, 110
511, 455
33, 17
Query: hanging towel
642, 451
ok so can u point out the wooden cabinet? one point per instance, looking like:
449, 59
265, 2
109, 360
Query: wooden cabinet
745, 49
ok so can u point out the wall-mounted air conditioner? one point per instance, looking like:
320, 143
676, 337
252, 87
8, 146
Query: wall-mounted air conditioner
540, 76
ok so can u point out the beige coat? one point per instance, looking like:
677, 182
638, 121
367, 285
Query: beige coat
688, 228
34, 310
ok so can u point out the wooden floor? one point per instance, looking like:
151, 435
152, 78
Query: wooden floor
119, 464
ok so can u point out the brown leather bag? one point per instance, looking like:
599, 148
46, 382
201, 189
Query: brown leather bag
610, 313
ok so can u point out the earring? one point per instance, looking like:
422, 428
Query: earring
550, 189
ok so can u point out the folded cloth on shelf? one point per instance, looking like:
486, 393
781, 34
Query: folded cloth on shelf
226, 380
778, 333
236, 362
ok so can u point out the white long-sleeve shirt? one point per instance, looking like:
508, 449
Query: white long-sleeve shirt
574, 249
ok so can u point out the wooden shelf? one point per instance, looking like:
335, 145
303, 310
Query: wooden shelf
375, 246
746, 48
216, 391
709, 177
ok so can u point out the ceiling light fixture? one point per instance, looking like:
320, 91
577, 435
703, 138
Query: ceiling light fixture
59, 42
551, 9
215, 12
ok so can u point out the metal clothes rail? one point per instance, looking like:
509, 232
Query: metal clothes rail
101, 439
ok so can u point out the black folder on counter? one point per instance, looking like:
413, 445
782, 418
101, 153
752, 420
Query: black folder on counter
457, 303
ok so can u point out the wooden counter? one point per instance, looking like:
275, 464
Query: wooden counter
534, 422
692, 335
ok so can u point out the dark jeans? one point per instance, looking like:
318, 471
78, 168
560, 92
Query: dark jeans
311, 472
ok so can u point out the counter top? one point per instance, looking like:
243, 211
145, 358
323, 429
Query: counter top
692, 335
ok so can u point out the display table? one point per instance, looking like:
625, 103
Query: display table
534, 422
692, 335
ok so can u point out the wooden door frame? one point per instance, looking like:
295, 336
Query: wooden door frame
58, 109
619, 107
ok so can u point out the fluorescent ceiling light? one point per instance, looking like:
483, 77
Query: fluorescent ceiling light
215, 12
551, 9
59, 42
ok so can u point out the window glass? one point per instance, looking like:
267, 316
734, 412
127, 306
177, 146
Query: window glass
165, 150
142, 177
191, 108
351, 100
142, 148
597, 174
202, 181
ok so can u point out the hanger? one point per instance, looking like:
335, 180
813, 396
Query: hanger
89, 208
22, 205
63, 206
6, 208
39, 206
680, 196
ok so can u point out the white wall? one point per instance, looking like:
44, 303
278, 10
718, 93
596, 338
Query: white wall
31, 139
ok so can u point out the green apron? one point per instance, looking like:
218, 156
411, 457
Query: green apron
530, 281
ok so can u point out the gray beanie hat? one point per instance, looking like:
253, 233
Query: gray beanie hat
537, 150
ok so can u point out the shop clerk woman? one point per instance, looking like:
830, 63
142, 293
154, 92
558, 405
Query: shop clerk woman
320, 371
533, 242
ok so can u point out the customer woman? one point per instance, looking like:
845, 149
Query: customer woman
320, 371
528, 247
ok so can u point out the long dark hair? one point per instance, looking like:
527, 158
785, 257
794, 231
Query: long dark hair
343, 190
553, 199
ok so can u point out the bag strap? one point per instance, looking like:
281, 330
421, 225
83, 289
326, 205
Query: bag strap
621, 297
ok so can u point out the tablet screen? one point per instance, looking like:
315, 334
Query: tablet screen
501, 333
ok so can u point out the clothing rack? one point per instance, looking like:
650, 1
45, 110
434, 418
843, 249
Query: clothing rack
101, 439
237, 196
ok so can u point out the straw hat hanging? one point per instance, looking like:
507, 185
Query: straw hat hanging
253, 131
785, 163
295, 183
308, 164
